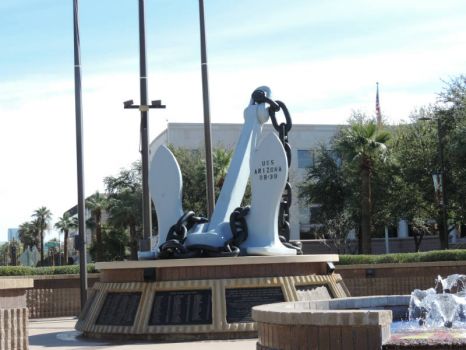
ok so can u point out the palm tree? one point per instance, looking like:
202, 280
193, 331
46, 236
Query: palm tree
28, 234
124, 193
222, 158
42, 218
65, 224
97, 203
361, 144
125, 212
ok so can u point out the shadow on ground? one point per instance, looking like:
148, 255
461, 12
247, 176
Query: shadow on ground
66, 338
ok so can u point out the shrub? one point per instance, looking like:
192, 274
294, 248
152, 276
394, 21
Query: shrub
46, 270
400, 258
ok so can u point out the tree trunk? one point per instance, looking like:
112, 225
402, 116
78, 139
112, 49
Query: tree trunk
41, 248
98, 239
65, 247
366, 204
133, 242
418, 236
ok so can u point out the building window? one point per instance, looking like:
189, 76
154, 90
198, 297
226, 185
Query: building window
305, 158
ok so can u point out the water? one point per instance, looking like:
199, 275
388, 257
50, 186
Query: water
412, 326
444, 305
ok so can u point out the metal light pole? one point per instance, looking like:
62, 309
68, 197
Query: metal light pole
79, 158
207, 130
144, 108
443, 203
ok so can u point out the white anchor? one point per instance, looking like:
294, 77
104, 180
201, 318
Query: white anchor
266, 163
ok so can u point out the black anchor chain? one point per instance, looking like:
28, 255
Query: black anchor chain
283, 128
173, 247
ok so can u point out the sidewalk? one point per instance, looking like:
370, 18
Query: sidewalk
60, 334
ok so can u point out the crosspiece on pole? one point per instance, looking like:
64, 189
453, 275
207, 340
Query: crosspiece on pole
143, 108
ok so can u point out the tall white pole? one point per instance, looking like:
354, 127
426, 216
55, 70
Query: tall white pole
207, 129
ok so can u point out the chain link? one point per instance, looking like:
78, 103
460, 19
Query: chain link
283, 128
173, 247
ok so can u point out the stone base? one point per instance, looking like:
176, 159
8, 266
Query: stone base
13, 329
14, 313
204, 298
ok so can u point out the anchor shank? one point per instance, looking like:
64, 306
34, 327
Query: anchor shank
236, 180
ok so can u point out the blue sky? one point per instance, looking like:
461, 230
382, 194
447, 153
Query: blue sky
322, 58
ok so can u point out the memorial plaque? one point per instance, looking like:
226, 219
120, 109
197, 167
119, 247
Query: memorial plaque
119, 309
182, 307
313, 292
240, 301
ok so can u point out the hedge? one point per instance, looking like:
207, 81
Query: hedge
400, 258
397, 258
46, 270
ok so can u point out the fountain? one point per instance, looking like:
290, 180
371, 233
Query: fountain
440, 305
427, 319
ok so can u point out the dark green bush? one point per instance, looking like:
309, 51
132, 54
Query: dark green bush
46, 270
400, 258
397, 258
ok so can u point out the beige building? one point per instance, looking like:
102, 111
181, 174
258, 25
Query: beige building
304, 139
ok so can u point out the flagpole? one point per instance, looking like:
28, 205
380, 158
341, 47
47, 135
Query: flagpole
378, 114
146, 243
207, 127
79, 158
146, 202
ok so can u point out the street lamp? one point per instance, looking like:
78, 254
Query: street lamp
144, 131
439, 184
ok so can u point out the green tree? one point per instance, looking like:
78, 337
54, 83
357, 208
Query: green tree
124, 193
65, 224
451, 112
4, 251
192, 166
115, 241
97, 203
416, 152
28, 235
42, 217
361, 145
327, 185
221, 158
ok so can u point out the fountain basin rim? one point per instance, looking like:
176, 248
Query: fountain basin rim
340, 311
283, 314
242, 260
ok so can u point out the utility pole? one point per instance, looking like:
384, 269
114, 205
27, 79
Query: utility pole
79, 158
144, 131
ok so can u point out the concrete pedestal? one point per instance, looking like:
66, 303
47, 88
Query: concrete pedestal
203, 298
14, 313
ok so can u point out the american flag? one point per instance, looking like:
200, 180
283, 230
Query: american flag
378, 114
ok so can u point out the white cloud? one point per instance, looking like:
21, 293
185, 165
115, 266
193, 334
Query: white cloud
37, 137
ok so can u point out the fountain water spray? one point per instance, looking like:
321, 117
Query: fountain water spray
444, 304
